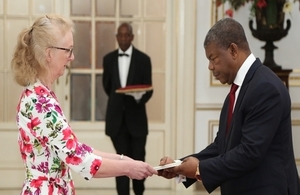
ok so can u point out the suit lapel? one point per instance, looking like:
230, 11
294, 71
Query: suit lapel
240, 97
222, 125
132, 68
245, 84
116, 70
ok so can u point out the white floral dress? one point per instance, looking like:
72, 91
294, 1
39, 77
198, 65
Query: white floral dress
48, 146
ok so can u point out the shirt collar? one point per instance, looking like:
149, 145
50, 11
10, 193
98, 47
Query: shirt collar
128, 51
241, 74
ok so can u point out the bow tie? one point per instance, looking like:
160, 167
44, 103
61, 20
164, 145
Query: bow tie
123, 54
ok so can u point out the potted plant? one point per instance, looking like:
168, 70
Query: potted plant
270, 17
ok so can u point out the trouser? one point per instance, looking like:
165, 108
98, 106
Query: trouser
134, 147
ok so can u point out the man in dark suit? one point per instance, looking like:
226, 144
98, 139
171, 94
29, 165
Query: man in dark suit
254, 154
126, 118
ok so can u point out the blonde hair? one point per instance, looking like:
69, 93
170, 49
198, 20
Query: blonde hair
29, 60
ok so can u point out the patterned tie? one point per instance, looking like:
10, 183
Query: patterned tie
233, 89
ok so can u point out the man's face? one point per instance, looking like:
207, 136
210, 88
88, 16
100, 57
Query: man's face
124, 37
221, 63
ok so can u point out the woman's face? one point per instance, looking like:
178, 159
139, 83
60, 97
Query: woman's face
60, 56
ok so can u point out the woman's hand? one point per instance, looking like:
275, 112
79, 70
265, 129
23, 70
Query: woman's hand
140, 170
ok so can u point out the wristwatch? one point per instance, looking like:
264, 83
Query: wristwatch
197, 174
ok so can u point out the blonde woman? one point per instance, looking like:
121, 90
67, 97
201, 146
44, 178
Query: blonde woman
48, 146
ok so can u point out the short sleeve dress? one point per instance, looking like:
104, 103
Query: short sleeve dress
48, 146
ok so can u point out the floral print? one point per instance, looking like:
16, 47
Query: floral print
48, 146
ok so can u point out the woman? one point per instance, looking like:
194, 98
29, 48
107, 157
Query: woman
48, 146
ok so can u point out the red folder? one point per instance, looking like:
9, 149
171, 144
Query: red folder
134, 88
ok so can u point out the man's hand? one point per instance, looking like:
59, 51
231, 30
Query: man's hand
166, 172
136, 95
187, 168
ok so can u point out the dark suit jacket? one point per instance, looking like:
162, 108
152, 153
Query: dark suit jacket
257, 157
124, 106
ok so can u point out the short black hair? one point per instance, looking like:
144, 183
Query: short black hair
227, 31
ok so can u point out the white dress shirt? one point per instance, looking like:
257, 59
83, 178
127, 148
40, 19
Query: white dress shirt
241, 74
124, 63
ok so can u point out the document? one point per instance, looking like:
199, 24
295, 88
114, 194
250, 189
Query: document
174, 164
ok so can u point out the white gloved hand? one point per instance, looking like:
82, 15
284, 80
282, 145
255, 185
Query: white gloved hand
136, 95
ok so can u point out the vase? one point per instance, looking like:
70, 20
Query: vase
270, 28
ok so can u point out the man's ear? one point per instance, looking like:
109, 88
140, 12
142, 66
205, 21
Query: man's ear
233, 50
